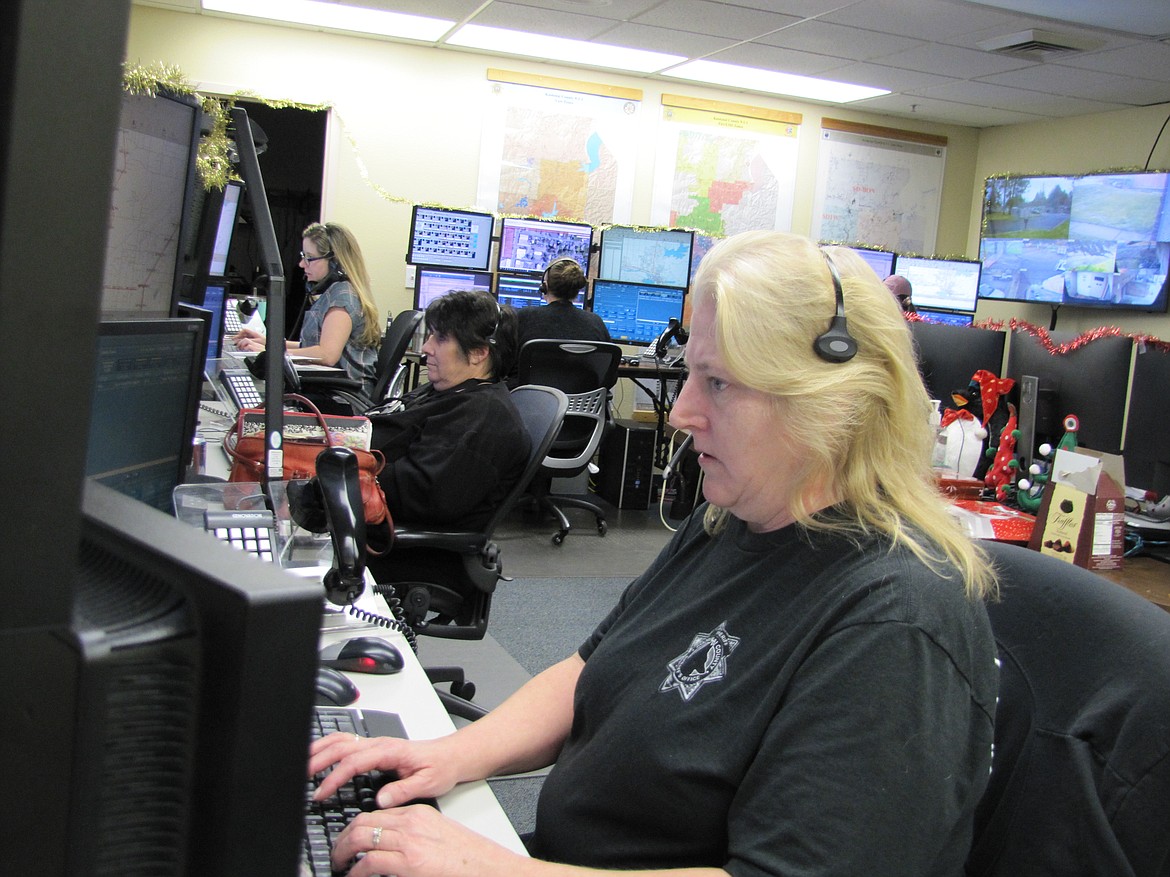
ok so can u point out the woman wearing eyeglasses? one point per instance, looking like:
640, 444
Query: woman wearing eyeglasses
341, 328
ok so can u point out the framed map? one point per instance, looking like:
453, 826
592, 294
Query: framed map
554, 152
724, 168
877, 187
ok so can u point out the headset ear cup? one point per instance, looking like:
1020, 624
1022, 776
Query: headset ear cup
836, 344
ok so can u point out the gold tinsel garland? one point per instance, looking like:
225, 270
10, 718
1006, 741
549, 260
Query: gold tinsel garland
213, 161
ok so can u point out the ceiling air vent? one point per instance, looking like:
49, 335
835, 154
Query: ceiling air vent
1037, 43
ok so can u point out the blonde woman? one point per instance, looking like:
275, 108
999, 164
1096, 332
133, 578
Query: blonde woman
803, 681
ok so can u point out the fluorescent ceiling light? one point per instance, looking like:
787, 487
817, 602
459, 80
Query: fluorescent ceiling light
336, 16
514, 42
755, 79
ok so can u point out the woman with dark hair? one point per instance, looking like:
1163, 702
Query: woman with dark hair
558, 317
456, 445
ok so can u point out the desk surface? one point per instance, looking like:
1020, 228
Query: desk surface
410, 695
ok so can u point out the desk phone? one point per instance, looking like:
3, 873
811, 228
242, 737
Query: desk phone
251, 530
241, 387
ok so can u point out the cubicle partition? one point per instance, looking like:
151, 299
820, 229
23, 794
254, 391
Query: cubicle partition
949, 355
1090, 381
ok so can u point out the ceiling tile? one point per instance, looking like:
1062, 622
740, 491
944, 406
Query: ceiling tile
661, 39
930, 20
961, 63
772, 58
893, 78
551, 22
1092, 84
714, 19
942, 111
824, 38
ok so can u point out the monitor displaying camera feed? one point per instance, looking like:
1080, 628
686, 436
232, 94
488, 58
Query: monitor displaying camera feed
661, 257
942, 284
636, 313
451, 238
528, 246
951, 319
430, 283
1098, 240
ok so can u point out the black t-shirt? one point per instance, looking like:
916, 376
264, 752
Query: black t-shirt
559, 319
776, 704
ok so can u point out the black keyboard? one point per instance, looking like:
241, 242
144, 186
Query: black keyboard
324, 820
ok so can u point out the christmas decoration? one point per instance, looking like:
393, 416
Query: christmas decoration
1030, 491
1004, 466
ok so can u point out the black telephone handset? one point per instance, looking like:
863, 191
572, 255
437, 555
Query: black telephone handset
258, 365
341, 492
673, 330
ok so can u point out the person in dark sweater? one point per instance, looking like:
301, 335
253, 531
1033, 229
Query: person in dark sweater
802, 682
456, 445
558, 317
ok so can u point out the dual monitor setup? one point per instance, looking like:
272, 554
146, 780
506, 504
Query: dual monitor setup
639, 286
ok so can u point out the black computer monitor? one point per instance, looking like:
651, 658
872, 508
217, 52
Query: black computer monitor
190, 311
523, 291
179, 695
1090, 381
528, 246
430, 283
440, 236
147, 383
661, 257
942, 284
150, 216
636, 313
1147, 451
949, 317
215, 300
223, 208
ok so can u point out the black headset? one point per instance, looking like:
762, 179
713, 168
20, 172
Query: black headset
836, 344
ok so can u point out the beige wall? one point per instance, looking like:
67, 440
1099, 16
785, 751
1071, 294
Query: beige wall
383, 95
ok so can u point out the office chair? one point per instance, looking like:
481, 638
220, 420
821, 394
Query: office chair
585, 371
346, 391
455, 602
1080, 780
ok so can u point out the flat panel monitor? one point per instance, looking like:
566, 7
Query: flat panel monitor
661, 257
881, 261
1147, 452
636, 313
948, 317
190, 311
215, 300
1093, 241
523, 291
431, 283
451, 238
528, 246
154, 181
942, 284
1090, 381
147, 383
226, 209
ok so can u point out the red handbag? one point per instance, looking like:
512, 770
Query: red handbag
305, 436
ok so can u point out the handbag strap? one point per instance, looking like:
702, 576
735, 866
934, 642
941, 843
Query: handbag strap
232, 435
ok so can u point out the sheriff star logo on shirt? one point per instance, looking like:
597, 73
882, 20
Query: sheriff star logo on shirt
705, 660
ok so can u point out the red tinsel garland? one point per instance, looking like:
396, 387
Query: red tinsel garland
1041, 335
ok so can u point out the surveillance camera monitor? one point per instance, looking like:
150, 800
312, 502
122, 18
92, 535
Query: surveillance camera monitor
450, 238
1093, 241
949, 317
528, 246
430, 283
636, 313
942, 284
661, 257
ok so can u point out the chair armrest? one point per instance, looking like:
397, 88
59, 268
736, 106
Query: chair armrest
459, 541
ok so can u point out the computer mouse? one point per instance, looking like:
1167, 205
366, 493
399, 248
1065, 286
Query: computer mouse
363, 654
334, 688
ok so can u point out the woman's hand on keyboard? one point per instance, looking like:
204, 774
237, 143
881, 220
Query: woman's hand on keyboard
249, 340
418, 842
422, 766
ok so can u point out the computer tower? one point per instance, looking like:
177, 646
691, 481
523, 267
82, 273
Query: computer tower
627, 465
